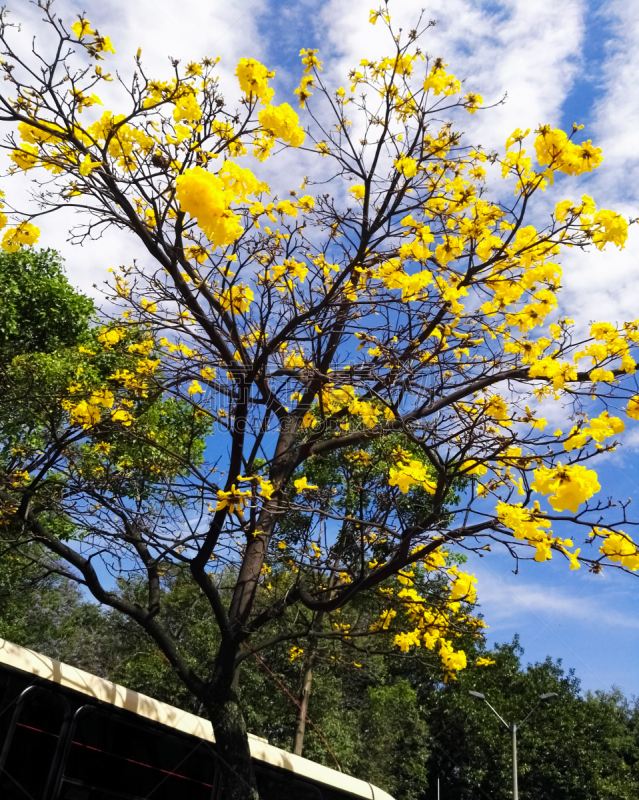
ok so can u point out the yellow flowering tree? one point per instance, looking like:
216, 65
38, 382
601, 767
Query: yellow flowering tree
404, 299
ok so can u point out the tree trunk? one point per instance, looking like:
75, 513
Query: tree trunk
232, 745
307, 683
300, 728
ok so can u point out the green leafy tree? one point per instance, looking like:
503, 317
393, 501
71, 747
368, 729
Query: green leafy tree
395, 742
33, 287
574, 747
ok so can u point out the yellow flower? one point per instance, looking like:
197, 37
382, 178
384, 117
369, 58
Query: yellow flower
111, 336
147, 366
87, 166
406, 475
632, 409
253, 78
574, 558
527, 524
608, 226
497, 408
193, 69
303, 91
440, 81
85, 414
195, 388
236, 299
434, 560
484, 662
26, 157
82, 28
306, 203
24, 234
102, 397
287, 207
282, 123
206, 198
310, 60
20, 478
472, 101
102, 44
555, 149
407, 166
568, 486
233, 499
473, 467
266, 488
601, 374
452, 660
122, 416
619, 547
295, 652
463, 588
302, 483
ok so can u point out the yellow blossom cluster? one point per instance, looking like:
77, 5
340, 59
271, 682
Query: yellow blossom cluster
413, 473
88, 411
333, 399
554, 148
253, 78
440, 82
208, 198
236, 298
281, 122
234, 499
432, 626
25, 234
463, 586
620, 549
602, 427
568, 486
528, 525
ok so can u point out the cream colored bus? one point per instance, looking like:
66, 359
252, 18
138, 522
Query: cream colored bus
68, 735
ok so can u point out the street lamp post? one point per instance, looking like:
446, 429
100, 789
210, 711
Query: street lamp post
513, 730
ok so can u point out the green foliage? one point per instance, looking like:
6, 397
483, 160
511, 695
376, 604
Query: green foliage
33, 287
573, 747
395, 735
389, 720
52, 357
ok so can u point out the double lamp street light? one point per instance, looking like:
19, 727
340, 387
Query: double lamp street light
513, 729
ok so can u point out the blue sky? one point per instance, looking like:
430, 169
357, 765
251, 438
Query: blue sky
574, 61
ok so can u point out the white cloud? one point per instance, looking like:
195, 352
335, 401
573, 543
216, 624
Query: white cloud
604, 286
188, 31
503, 603
534, 52
528, 50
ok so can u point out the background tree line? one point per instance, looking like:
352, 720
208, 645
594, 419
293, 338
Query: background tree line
389, 720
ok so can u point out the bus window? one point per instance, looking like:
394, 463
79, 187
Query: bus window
110, 758
30, 747
274, 784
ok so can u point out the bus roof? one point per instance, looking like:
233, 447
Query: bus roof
107, 692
